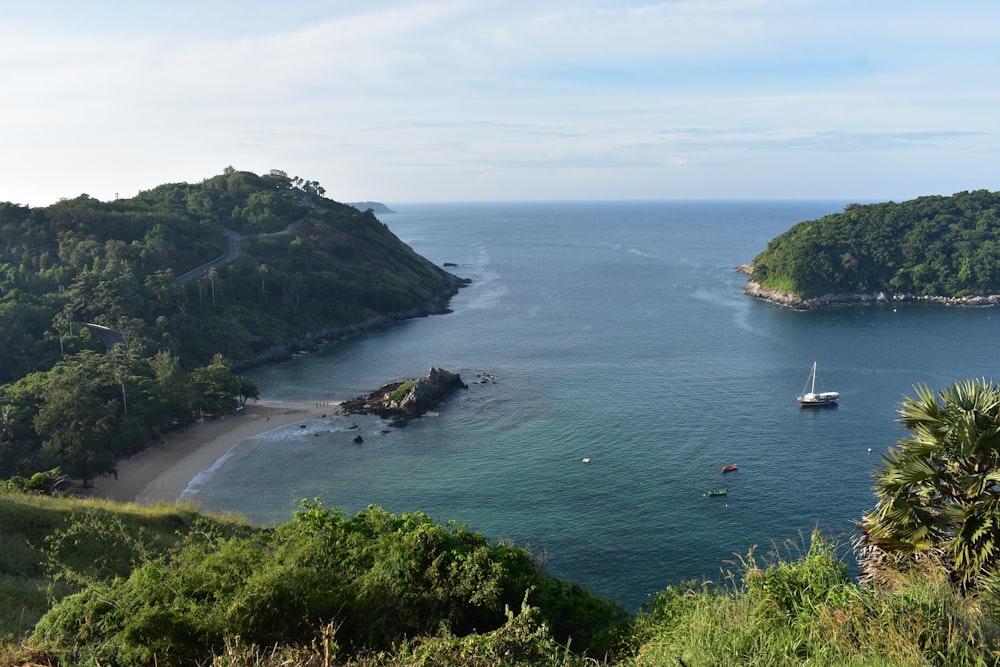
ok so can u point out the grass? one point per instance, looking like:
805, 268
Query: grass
29, 523
793, 610
400, 392
806, 612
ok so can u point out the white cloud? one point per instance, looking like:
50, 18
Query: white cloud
409, 100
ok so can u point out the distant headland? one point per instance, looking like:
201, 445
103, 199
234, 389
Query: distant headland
373, 206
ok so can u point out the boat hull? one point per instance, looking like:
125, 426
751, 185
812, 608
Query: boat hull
825, 399
810, 398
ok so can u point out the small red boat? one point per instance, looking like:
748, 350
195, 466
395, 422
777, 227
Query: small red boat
729, 468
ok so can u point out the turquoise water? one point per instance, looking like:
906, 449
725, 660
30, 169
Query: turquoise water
615, 332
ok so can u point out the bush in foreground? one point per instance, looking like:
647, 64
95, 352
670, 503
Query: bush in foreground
809, 612
383, 590
378, 578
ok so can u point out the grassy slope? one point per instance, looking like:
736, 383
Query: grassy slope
28, 521
793, 611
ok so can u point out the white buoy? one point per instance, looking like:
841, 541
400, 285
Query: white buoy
587, 460
869, 450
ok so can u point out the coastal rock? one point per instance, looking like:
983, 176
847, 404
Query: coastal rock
755, 289
407, 399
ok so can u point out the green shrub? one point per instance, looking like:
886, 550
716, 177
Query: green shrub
794, 590
377, 577
523, 640
46, 483
806, 611
400, 392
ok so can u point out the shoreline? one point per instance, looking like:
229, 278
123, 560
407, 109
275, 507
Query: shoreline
756, 290
163, 471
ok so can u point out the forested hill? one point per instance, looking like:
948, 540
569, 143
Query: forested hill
930, 246
295, 262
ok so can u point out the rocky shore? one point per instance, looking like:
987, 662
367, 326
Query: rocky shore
795, 302
310, 341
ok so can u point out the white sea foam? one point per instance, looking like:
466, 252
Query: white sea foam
487, 288
202, 478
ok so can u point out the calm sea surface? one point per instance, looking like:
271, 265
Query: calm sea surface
615, 332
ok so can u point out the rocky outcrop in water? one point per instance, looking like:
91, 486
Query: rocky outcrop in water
404, 400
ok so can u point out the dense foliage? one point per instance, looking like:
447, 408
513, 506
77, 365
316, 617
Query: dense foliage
932, 246
806, 611
375, 577
120, 320
304, 263
92, 409
166, 585
938, 491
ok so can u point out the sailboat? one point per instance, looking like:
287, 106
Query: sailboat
810, 399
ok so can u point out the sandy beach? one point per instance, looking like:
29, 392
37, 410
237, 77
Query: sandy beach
163, 470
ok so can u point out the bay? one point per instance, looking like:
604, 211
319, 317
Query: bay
617, 332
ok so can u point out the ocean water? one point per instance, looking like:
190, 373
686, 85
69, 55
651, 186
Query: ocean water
618, 332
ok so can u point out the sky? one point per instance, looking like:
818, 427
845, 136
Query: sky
513, 100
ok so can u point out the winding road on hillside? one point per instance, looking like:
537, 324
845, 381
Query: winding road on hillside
231, 253
111, 337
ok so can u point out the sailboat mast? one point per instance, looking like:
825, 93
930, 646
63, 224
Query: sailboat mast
814, 379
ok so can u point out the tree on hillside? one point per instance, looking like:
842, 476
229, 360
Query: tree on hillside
217, 390
934, 246
938, 491
168, 393
77, 419
244, 388
19, 443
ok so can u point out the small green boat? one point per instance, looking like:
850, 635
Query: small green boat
718, 492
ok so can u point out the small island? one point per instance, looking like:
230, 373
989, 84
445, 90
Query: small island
404, 400
934, 249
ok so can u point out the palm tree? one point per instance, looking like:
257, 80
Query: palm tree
120, 370
212, 275
938, 491
59, 324
263, 270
